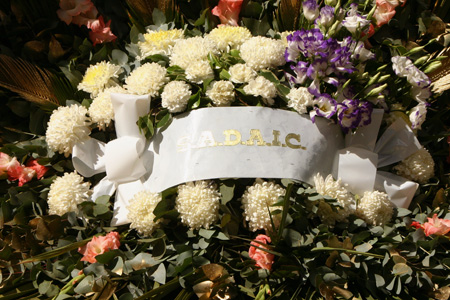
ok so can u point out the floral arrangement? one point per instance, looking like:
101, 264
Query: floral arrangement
231, 238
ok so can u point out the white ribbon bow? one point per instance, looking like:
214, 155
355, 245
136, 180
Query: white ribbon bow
120, 158
358, 162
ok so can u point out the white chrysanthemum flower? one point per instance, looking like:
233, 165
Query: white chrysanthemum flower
262, 53
147, 79
175, 96
263, 87
101, 110
193, 49
229, 37
66, 193
334, 189
417, 167
300, 99
198, 204
98, 77
140, 212
198, 71
159, 42
67, 126
241, 73
375, 208
257, 201
221, 93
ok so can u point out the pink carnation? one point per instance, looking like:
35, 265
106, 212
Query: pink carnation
73, 8
228, 11
263, 258
101, 32
99, 245
384, 12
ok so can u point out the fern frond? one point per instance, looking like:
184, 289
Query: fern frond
34, 84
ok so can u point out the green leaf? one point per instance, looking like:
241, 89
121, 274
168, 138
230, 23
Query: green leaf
363, 247
165, 120
194, 101
85, 286
224, 75
206, 233
160, 274
119, 57
158, 17
401, 269
227, 191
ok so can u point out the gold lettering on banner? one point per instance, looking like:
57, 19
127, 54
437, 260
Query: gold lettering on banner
276, 141
293, 136
255, 134
232, 132
206, 140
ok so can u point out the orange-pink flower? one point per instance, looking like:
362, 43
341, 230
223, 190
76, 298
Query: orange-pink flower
434, 226
40, 169
73, 8
101, 32
99, 245
228, 11
263, 258
384, 12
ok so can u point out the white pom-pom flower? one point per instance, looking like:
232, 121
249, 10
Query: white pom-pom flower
198, 204
199, 71
175, 96
300, 99
159, 42
193, 49
67, 126
375, 208
98, 77
334, 189
257, 202
229, 37
241, 73
260, 86
147, 79
140, 212
417, 167
221, 93
261, 53
101, 110
66, 193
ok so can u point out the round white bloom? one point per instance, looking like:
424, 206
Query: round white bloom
159, 42
262, 53
417, 167
198, 71
241, 73
67, 126
334, 189
198, 204
262, 87
175, 96
404, 67
221, 93
257, 201
375, 208
98, 77
66, 193
352, 23
300, 99
101, 110
140, 212
229, 37
417, 115
193, 49
147, 79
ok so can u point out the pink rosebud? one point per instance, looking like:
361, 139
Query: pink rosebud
101, 32
263, 258
384, 12
72, 8
99, 245
436, 226
40, 169
228, 11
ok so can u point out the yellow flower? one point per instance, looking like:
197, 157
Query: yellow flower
159, 42
98, 77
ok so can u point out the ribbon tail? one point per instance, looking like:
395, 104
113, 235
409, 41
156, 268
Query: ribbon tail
87, 157
124, 194
104, 187
400, 190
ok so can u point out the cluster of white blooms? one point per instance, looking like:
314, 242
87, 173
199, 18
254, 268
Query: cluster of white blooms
140, 212
147, 79
417, 167
221, 93
175, 96
98, 77
159, 42
261, 53
263, 87
229, 37
334, 189
404, 67
66, 193
257, 202
67, 126
375, 208
199, 71
101, 110
300, 99
198, 204
241, 73
191, 50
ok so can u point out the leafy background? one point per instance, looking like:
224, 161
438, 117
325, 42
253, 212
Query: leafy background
41, 62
